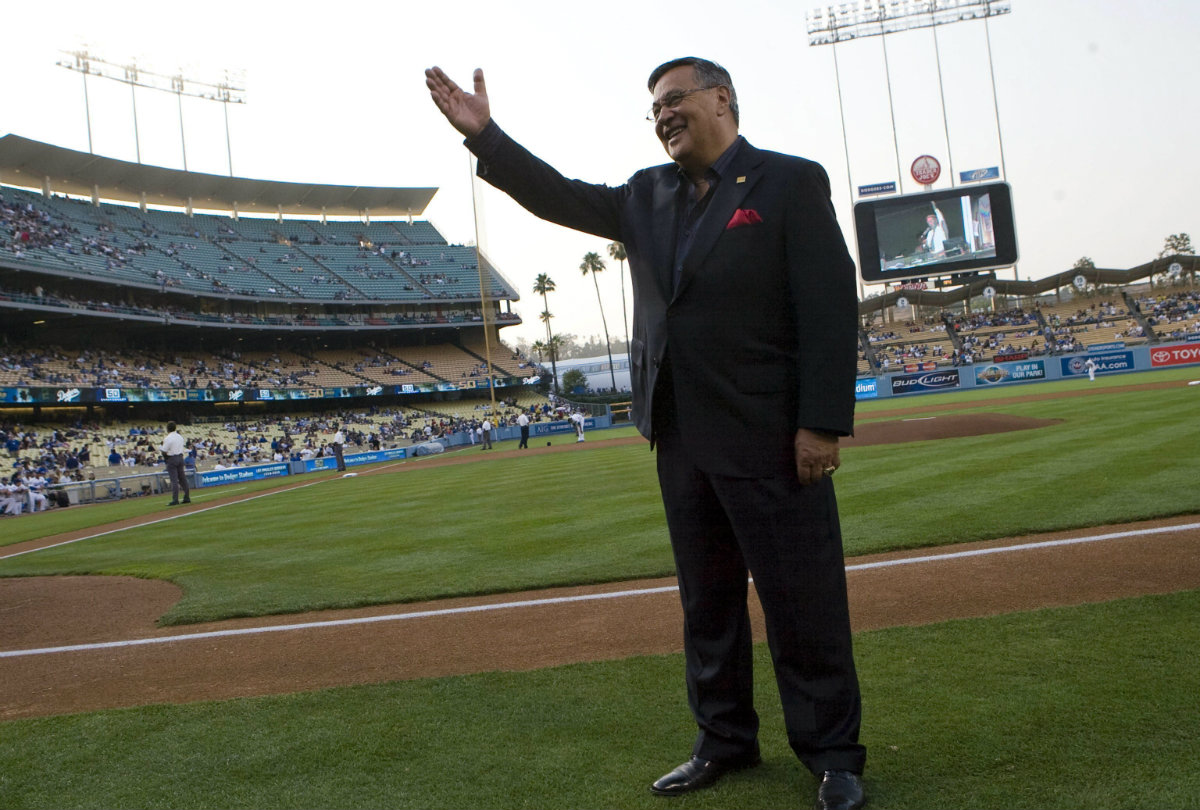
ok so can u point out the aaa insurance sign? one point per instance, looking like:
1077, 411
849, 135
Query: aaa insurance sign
1105, 363
1175, 355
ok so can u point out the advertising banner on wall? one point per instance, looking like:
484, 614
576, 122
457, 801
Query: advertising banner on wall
866, 388
1000, 373
1105, 363
930, 381
355, 459
235, 474
1175, 355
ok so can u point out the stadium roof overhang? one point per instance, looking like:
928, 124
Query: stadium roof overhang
53, 169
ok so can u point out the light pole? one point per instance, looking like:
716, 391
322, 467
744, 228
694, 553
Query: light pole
830, 25
225, 92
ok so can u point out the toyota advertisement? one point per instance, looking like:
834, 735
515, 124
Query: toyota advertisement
1175, 355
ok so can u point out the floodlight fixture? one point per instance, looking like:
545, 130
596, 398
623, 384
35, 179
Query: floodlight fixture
871, 18
229, 91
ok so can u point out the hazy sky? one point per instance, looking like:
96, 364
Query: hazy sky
1097, 108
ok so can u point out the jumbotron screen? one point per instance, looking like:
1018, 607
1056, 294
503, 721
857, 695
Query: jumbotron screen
936, 233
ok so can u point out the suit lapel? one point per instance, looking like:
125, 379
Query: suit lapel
742, 175
664, 225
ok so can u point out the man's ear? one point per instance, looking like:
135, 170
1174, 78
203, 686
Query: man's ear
723, 99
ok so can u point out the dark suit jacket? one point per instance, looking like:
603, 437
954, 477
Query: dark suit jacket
762, 330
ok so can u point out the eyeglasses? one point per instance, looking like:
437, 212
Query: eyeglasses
671, 100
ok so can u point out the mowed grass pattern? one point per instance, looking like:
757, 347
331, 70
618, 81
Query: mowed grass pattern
505, 524
1076, 707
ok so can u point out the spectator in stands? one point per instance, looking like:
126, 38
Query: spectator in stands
745, 452
12, 495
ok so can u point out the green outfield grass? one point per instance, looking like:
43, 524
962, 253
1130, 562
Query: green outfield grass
504, 524
1090, 706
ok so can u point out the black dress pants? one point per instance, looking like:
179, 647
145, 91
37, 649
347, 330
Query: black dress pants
788, 538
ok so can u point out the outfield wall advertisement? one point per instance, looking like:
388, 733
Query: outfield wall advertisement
1175, 355
1109, 363
929, 381
234, 475
1001, 373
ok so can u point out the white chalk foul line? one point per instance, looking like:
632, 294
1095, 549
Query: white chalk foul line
176, 516
559, 600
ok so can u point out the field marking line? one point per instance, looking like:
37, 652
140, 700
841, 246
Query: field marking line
194, 512
165, 519
559, 600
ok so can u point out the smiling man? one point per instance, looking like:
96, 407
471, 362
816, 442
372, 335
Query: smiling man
743, 363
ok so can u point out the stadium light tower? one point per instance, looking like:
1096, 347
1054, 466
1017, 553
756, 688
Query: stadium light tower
226, 92
830, 25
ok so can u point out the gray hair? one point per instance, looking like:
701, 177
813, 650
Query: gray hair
709, 74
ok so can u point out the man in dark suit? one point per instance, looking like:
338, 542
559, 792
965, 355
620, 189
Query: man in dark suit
743, 366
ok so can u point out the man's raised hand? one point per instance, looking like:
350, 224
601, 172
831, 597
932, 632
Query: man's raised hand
467, 112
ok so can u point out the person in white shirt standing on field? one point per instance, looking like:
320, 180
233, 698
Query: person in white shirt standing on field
523, 423
174, 447
339, 440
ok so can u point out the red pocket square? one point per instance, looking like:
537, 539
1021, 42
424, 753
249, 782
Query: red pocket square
743, 216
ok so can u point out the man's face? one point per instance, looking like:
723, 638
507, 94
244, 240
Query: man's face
695, 130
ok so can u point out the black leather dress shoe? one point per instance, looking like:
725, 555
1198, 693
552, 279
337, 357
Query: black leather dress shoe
840, 790
699, 773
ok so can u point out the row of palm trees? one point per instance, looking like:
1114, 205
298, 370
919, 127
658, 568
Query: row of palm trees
544, 285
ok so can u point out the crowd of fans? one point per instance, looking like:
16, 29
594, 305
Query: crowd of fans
53, 365
40, 458
26, 227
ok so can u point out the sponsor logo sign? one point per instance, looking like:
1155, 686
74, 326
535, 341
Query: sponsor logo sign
1105, 363
1174, 355
975, 175
866, 389
926, 170
235, 474
1000, 358
930, 381
68, 395
1106, 347
1000, 373
877, 188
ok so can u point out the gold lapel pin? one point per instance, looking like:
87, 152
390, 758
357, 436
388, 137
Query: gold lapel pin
742, 179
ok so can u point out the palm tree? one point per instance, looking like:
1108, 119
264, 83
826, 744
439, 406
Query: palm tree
592, 263
617, 251
543, 285
552, 343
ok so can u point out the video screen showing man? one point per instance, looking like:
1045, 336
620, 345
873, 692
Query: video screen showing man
920, 234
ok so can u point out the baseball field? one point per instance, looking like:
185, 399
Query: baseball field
500, 629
